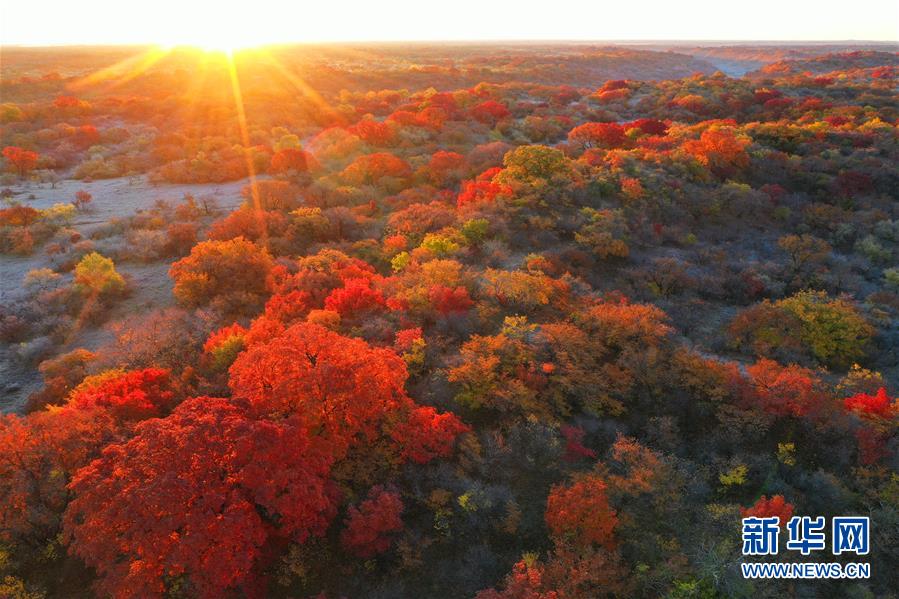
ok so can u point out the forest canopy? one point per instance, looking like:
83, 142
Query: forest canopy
494, 321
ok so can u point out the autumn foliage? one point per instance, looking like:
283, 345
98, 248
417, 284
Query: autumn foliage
372, 168
720, 149
235, 269
535, 321
580, 513
355, 297
767, 508
601, 135
476, 192
22, 160
203, 520
292, 159
133, 396
370, 525
877, 405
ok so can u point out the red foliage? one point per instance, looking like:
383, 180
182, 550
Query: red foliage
250, 224
613, 84
429, 118
446, 161
649, 126
764, 95
872, 445
612, 95
427, 434
567, 573
447, 300
373, 132
67, 102
879, 405
292, 159
320, 279
481, 191
490, 112
632, 188
784, 390
371, 526
445, 102
524, 582
371, 168
82, 199
290, 306
444, 165
574, 448
23, 160
222, 335
778, 103
37, 455
766, 508
355, 297
720, 150
604, 135
186, 497
489, 174
86, 136
395, 243
775, 192
579, 513
404, 338
566, 95
263, 329
18, 216
129, 396
341, 387
852, 183
330, 381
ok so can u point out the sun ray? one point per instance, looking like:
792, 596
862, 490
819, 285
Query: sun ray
300, 85
245, 142
123, 71
193, 92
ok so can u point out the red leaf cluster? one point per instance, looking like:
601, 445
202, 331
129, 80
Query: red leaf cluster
355, 297
370, 526
784, 390
130, 396
601, 135
476, 192
447, 300
579, 513
879, 405
767, 508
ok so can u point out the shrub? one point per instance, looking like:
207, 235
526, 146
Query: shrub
832, 329
96, 274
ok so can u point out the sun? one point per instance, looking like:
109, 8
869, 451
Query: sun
226, 40
219, 47
225, 47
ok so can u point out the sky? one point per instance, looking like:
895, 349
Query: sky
235, 23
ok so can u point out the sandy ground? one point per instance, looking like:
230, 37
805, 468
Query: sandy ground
151, 286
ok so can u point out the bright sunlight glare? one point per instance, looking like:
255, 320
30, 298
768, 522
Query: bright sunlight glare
226, 38
234, 24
